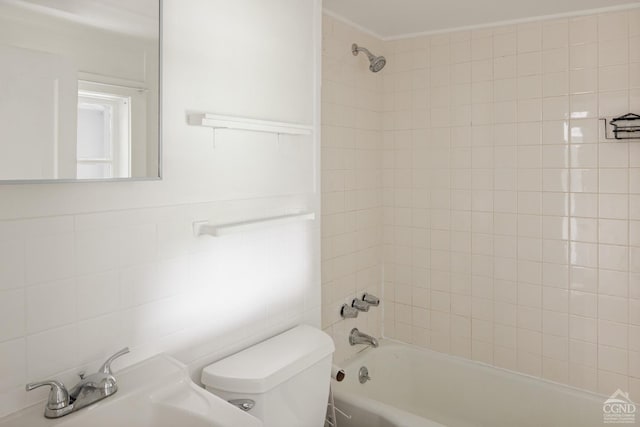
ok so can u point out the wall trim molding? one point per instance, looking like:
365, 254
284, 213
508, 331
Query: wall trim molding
573, 14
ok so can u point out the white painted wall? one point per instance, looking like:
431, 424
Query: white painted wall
88, 268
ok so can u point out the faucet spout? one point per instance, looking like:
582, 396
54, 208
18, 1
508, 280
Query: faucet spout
357, 337
96, 386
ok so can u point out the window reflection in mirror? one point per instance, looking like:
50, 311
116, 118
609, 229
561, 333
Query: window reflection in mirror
79, 89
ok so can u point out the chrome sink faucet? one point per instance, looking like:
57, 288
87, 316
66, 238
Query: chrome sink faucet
89, 390
357, 337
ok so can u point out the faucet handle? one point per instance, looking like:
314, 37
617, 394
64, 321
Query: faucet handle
106, 366
58, 396
371, 299
360, 304
348, 312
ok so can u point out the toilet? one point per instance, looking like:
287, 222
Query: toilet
283, 380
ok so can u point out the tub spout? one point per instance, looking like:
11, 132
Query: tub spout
357, 337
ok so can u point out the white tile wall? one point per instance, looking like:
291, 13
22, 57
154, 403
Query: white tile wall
351, 182
526, 240
86, 269
510, 227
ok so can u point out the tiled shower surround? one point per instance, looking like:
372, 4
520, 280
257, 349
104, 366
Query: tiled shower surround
510, 227
351, 182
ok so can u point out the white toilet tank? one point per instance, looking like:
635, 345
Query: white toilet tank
287, 376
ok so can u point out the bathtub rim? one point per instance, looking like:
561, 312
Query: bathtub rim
385, 342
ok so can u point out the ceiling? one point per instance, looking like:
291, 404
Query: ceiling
396, 18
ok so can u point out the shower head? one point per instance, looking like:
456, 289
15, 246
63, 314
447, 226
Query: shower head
376, 63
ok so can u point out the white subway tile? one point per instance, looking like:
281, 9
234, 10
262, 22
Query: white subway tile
555, 84
100, 337
555, 108
612, 359
584, 279
612, 102
529, 37
615, 77
613, 232
613, 309
584, 106
583, 56
554, 299
12, 314
613, 206
555, 60
12, 264
97, 295
51, 305
584, 180
584, 254
584, 131
49, 258
615, 283
555, 34
555, 323
13, 369
583, 329
51, 352
584, 80
96, 251
584, 204
529, 63
584, 156
612, 26
504, 44
583, 29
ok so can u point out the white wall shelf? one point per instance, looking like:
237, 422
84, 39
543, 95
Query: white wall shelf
240, 123
204, 228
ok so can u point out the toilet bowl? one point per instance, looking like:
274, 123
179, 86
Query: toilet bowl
283, 381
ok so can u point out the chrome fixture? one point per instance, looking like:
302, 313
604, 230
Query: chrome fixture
58, 401
360, 305
244, 404
89, 390
357, 337
363, 375
371, 299
348, 312
376, 63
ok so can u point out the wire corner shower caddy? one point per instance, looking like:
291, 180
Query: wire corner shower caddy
623, 127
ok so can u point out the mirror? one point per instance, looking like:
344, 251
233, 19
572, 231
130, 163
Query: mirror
79, 90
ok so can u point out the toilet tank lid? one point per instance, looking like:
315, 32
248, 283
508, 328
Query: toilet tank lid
263, 366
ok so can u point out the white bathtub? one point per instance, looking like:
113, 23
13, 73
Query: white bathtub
413, 387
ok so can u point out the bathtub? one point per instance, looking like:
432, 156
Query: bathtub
414, 387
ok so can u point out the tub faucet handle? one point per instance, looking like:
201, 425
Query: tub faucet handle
348, 312
360, 304
371, 299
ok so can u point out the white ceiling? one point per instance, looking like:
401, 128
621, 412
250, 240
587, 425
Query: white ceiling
396, 18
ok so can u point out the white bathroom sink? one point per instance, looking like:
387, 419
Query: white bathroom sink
156, 392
